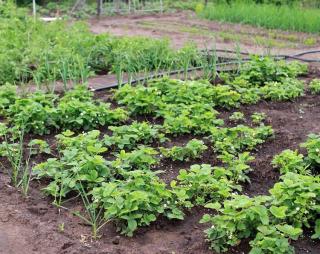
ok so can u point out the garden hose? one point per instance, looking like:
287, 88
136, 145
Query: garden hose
223, 66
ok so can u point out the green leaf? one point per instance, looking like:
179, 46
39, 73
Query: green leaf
316, 230
132, 225
214, 206
289, 230
279, 212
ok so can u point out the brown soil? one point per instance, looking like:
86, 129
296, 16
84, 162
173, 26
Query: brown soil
183, 27
32, 225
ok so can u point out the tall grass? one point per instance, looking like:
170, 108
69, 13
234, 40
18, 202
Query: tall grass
291, 18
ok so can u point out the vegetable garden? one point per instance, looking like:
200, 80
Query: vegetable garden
151, 156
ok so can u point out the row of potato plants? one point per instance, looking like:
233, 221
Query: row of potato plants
116, 174
274, 220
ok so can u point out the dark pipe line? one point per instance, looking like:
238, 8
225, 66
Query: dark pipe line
169, 73
233, 61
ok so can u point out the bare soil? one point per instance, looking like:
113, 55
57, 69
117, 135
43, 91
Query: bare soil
32, 225
183, 27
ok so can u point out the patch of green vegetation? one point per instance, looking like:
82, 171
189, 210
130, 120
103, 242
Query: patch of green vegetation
282, 17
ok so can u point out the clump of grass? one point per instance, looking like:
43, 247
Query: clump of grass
284, 17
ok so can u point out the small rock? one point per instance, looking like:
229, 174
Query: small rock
4, 218
188, 238
116, 240
40, 210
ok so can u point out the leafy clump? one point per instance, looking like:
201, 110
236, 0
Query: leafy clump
270, 220
193, 149
239, 218
8, 95
142, 158
239, 138
313, 148
203, 183
274, 239
290, 161
237, 166
257, 118
315, 86
136, 201
79, 115
237, 117
36, 113
288, 89
128, 136
42, 113
79, 164
261, 70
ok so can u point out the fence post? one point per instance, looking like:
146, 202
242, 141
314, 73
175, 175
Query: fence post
34, 9
99, 8
161, 6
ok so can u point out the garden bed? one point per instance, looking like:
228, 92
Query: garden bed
34, 225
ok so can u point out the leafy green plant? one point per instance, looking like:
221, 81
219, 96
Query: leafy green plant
128, 136
143, 158
87, 115
293, 204
78, 163
193, 149
262, 70
237, 117
274, 239
315, 86
295, 199
39, 146
138, 99
135, 201
35, 114
313, 148
290, 161
237, 166
239, 218
203, 183
257, 118
225, 96
8, 95
287, 89
239, 138
197, 118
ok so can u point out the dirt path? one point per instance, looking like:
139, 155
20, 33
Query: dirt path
183, 27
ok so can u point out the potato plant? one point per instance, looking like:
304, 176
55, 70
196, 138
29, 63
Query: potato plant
237, 117
271, 220
313, 148
35, 114
193, 149
41, 113
129, 136
142, 158
240, 138
258, 118
290, 161
203, 183
136, 201
315, 86
79, 163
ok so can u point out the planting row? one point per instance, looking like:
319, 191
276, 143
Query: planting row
272, 221
47, 52
115, 170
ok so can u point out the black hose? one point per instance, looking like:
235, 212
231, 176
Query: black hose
231, 61
170, 73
